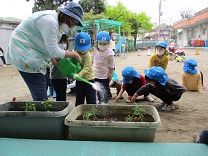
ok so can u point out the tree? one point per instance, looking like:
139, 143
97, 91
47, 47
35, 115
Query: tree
185, 13
96, 6
139, 22
89, 17
119, 13
47, 4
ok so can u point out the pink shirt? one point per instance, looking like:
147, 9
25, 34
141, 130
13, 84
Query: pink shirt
102, 61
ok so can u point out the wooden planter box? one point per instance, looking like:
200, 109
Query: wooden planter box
40, 124
114, 130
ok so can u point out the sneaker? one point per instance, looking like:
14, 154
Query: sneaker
172, 106
4, 65
167, 107
196, 137
149, 98
128, 101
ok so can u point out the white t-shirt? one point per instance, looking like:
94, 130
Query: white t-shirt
102, 61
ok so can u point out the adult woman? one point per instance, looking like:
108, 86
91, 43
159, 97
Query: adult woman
35, 41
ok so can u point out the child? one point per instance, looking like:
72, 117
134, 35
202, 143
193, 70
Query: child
82, 45
57, 79
172, 51
103, 65
162, 86
191, 77
132, 81
160, 58
116, 83
123, 49
180, 55
202, 137
2, 57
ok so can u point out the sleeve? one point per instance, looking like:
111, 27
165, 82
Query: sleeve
199, 82
183, 79
144, 89
86, 65
48, 27
142, 79
111, 61
165, 62
151, 63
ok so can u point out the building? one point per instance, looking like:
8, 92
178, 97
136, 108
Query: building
7, 26
193, 29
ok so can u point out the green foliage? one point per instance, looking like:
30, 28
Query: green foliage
40, 5
46, 104
30, 106
96, 6
91, 115
138, 114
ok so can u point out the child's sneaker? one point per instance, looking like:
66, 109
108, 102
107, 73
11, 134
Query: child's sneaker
128, 101
172, 106
149, 98
167, 107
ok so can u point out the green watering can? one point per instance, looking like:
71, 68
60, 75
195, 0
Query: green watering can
69, 67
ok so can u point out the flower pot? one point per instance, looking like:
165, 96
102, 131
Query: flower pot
113, 130
15, 122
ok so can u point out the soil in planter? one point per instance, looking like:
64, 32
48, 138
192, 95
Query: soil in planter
22, 108
117, 117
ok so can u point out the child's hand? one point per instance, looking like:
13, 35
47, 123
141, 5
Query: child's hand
110, 76
117, 98
133, 99
202, 92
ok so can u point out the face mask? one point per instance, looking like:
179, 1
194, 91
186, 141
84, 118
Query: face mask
103, 48
62, 46
159, 53
64, 27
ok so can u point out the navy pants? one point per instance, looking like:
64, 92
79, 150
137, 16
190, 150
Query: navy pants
3, 59
37, 84
203, 138
165, 96
85, 90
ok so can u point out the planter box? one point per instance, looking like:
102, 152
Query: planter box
114, 130
40, 124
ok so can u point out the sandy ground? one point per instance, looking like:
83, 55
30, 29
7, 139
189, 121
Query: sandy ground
189, 117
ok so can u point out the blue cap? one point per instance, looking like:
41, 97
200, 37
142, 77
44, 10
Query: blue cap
161, 44
103, 36
189, 66
82, 41
73, 10
157, 73
128, 73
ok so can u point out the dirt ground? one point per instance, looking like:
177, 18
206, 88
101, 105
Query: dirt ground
179, 125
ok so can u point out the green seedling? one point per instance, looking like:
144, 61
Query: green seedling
138, 114
30, 106
91, 115
47, 104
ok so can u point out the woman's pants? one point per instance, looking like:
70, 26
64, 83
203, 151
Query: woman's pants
37, 84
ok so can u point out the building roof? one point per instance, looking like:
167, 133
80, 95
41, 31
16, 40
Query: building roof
10, 20
197, 18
